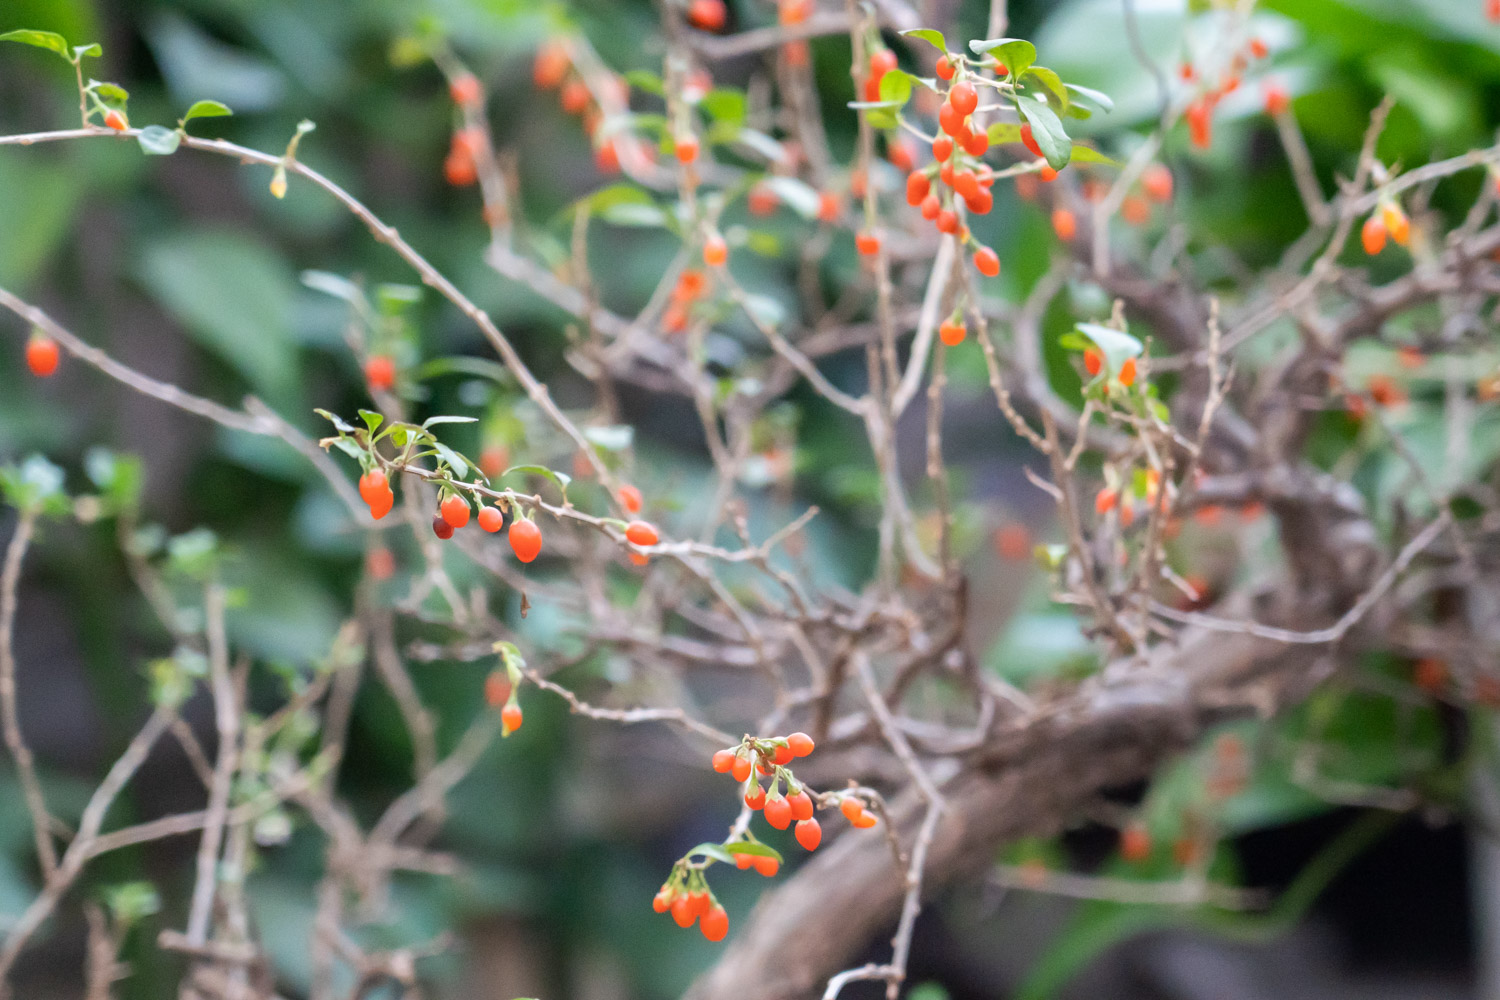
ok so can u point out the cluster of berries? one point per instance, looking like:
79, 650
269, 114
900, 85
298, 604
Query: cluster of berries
453, 513
500, 693
553, 70
1200, 114
689, 900
1388, 221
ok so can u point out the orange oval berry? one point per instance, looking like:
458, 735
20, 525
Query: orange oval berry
931, 207
864, 822
491, 519
778, 812
715, 251
741, 769
766, 865
1276, 98
867, 243
380, 372
42, 356
116, 120
715, 923
1064, 224
852, 808
683, 911
709, 15
551, 66
952, 333
755, 796
1157, 182
801, 744
685, 149
963, 98
987, 262
1127, 372
641, 533
1372, 235
525, 539
465, 89
723, 761
917, 186
802, 805
510, 717
455, 510
630, 497
662, 901
1029, 140
496, 688
781, 755
809, 834
1105, 500
942, 148
946, 67
1093, 361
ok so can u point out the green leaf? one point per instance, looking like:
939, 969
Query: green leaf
756, 850
1003, 132
1017, 53
454, 459
562, 479
715, 851
723, 105
1088, 154
1051, 83
394, 299
931, 36
1047, 130
41, 39
158, 140
372, 419
338, 422
36, 484
880, 114
434, 421
333, 284
802, 198
112, 94
1101, 101
635, 214
1116, 347
93, 49
895, 87
613, 438
646, 80
206, 109
760, 144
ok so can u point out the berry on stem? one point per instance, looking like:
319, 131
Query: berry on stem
510, 718
1064, 224
809, 834
987, 262
1029, 141
801, 744
755, 796
441, 528
1127, 372
867, 243
1093, 361
709, 15
42, 355
496, 688
715, 923
778, 812
525, 539
491, 519
683, 911
641, 533
116, 120
741, 769
766, 865
946, 67
630, 497
852, 808
465, 89
917, 186
963, 98
802, 805
1157, 182
1372, 235
723, 761
952, 332
380, 372
551, 66
715, 251
455, 510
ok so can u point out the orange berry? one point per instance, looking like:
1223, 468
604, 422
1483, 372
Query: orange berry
641, 533
863, 822
852, 808
949, 120
899, 152
575, 97
947, 221
802, 805
741, 769
793, 11
981, 202
510, 718
465, 89
963, 98
1028, 140
1385, 391
1105, 500
1372, 235
709, 15
607, 157
116, 120
781, 755
380, 372
867, 243
830, 205
987, 262
662, 901
1127, 372
1396, 222
455, 510
630, 498
685, 149
882, 61
942, 148
1410, 356
715, 251
715, 923
946, 67
809, 834
42, 356
755, 796
491, 519
931, 207
952, 333
761, 200
801, 744
766, 865
551, 66
723, 761
1093, 361
1277, 99
1135, 210
683, 911
1258, 48
1064, 224
525, 539
1200, 124
917, 186
778, 812
1048, 175
380, 564
1156, 180
496, 688
1135, 843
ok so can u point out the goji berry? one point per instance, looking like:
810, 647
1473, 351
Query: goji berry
715, 251
380, 563
946, 67
683, 911
116, 120
723, 761
801, 744
715, 923
741, 769
551, 66
1093, 361
42, 356
1372, 235
641, 533
1135, 210
685, 149
1258, 48
1396, 222
1064, 224
380, 372
917, 186
497, 688
630, 497
1029, 140
662, 901
1127, 372
781, 755
931, 207
809, 834
766, 865
525, 539
899, 152
1105, 500
778, 812
852, 808
946, 221
867, 243
830, 206
1277, 99
1157, 182
864, 822
949, 120
802, 805
441, 528
755, 796
981, 202
491, 519
963, 98
762, 200
465, 89
942, 148
455, 510
510, 718
987, 262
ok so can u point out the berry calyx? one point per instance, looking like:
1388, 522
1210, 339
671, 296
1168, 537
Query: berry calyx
778, 812
525, 539
987, 262
455, 510
441, 528
715, 923
800, 744
42, 356
715, 251
809, 834
116, 120
1372, 234
465, 89
510, 718
867, 243
952, 332
380, 373
641, 533
491, 519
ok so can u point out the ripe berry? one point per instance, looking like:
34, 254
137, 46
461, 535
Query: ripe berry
1135, 210
662, 901
899, 152
116, 120
949, 120
917, 186
1277, 100
376, 491
981, 203
459, 169
493, 459
1105, 500
1372, 235
1127, 372
1093, 361
946, 221
762, 200
1409, 356
809, 834
1396, 222
793, 11
781, 755
686, 149
1385, 391
946, 68
882, 62
946, 173
715, 923
510, 718
683, 911
630, 497
766, 865
641, 533
963, 98
865, 821
496, 688
715, 251
1048, 175
741, 769
1157, 182
1028, 140
551, 66
755, 796
465, 89
830, 205
778, 812
380, 372
931, 207
977, 143
607, 158
575, 97
987, 262
802, 805
1013, 542
952, 332
709, 15
1492, 11
867, 243
491, 519
1258, 48
455, 510
42, 356
942, 148
525, 539
801, 744
1064, 224
441, 528
1200, 124
852, 808
723, 761
965, 183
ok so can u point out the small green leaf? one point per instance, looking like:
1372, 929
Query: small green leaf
723, 105
158, 140
434, 421
41, 39
931, 36
562, 479
895, 87
1050, 82
617, 437
802, 198
634, 214
206, 109
454, 460
332, 284
715, 851
348, 447
337, 421
645, 80
94, 49
1003, 132
1100, 101
112, 94
372, 419
1117, 347
755, 850
1088, 154
1047, 130
1017, 53
880, 114
394, 299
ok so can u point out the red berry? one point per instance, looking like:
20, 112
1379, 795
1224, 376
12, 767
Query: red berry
766, 865
465, 89
641, 533
525, 539
802, 805
551, 66
981, 203
1277, 99
882, 61
946, 68
852, 808
42, 356
1105, 501
977, 143
987, 262
864, 822
1200, 124
630, 497
491, 519
459, 169
963, 98
662, 901
762, 200
744, 862
723, 761
715, 251
801, 744
497, 688
1028, 140
510, 718
946, 221
829, 206
380, 372
1127, 372
778, 812
942, 148
741, 769
1157, 181
949, 120
867, 243
715, 923
793, 11
755, 796
709, 15
372, 484
441, 528
1135, 843
455, 510
809, 834
683, 911
952, 333
931, 207
116, 120
1093, 361
686, 149
917, 186
1396, 222
493, 459
1064, 224
1372, 235
1048, 175
1135, 210
1258, 48
899, 152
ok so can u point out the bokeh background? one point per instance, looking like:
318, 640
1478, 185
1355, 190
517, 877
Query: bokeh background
186, 268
